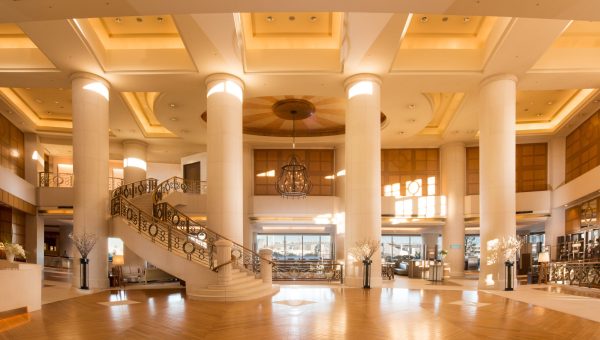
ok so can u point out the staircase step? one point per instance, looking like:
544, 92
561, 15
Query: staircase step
259, 291
234, 285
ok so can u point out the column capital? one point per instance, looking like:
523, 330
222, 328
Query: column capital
224, 76
500, 76
453, 144
361, 77
90, 76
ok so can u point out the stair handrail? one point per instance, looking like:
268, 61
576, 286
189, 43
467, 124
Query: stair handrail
164, 234
245, 258
176, 183
134, 189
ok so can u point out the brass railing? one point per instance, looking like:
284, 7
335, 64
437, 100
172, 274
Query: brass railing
242, 257
164, 234
55, 180
114, 182
308, 271
135, 189
585, 274
178, 184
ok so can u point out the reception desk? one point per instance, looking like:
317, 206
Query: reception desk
20, 286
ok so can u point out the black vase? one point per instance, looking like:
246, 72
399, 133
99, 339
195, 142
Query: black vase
83, 272
367, 273
508, 276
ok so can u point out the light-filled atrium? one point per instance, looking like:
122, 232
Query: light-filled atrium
268, 169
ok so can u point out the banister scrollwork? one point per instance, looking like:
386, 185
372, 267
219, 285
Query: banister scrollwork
135, 189
178, 184
586, 274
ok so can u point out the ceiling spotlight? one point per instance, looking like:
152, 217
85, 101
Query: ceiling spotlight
412, 120
172, 105
445, 19
173, 119
466, 19
526, 109
424, 19
411, 106
550, 103
401, 132
270, 19
313, 18
292, 18
539, 115
138, 19
160, 19
118, 20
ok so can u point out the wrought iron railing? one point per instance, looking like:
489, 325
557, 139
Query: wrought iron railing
242, 257
135, 189
55, 180
308, 271
164, 234
114, 182
585, 274
179, 184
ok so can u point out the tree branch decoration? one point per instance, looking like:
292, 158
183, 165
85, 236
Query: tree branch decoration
363, 250
505, 249
84, 242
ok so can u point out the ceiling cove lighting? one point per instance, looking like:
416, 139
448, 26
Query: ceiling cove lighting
362, 87
135, 163
99, 88
227, 86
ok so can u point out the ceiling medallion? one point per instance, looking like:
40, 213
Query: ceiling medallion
293, 180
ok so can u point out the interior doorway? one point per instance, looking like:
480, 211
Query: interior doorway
191, 172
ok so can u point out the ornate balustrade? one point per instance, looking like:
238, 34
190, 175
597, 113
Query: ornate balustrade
164, 234
308, 271
114, 182
55, 180
585, 274
135, 189
179, 184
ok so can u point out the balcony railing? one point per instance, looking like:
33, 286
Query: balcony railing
55, 180
308, 271
585, 274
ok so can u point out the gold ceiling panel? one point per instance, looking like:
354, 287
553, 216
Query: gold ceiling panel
139, 26
18, 52
580, 34
445, 106
47, 103
541, 106
296, 24
141, 105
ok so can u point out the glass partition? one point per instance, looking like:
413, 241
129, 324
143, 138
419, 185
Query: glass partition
296, 247
396, 247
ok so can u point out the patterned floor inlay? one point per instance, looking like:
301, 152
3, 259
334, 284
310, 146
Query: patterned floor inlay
294, 303
469, 303
118, 303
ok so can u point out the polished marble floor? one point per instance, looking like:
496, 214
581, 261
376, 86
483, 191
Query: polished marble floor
301, 312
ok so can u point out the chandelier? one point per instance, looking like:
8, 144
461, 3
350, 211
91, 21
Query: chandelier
293, 180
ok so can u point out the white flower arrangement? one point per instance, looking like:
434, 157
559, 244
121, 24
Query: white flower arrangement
13, 249
363, 250
505, 249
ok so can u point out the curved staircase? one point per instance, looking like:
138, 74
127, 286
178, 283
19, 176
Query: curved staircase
213, 267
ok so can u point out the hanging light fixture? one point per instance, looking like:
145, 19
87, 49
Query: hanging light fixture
293, 180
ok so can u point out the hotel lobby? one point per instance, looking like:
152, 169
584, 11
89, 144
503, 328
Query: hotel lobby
299, 170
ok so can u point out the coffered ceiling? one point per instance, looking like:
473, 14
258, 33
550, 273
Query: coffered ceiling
430, 55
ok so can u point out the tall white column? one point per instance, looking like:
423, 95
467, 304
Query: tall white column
225, 155
134, 161
363, 172
90, 163
496, 171
453, 165
34, 225
555, 226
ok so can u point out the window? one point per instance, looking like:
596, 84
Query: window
296, 247
395, 247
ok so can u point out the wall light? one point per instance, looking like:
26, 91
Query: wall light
14, 153
341, 173
270, 173
362, 87
35, 156
135, 163
99, 88
227, 86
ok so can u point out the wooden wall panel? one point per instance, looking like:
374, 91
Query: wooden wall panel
400, 166
582, 148
12, 147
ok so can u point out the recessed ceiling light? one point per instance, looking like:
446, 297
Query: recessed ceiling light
401, 132
291, 18
313, 18
118, 20
173, 119
270, 19
466, 19
56, 102
539, 115
424, 19
411, 106
138, 19
445, 19
160, 19
550, 103
412, 120
526, 109
172, 105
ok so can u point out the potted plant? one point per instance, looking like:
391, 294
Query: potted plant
363, 251
11, 250
84, 243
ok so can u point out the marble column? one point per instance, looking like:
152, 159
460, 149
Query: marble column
497, 196
134, 161
90, 163
453, 163
225, 155
555, 226
34, 224
363, 173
